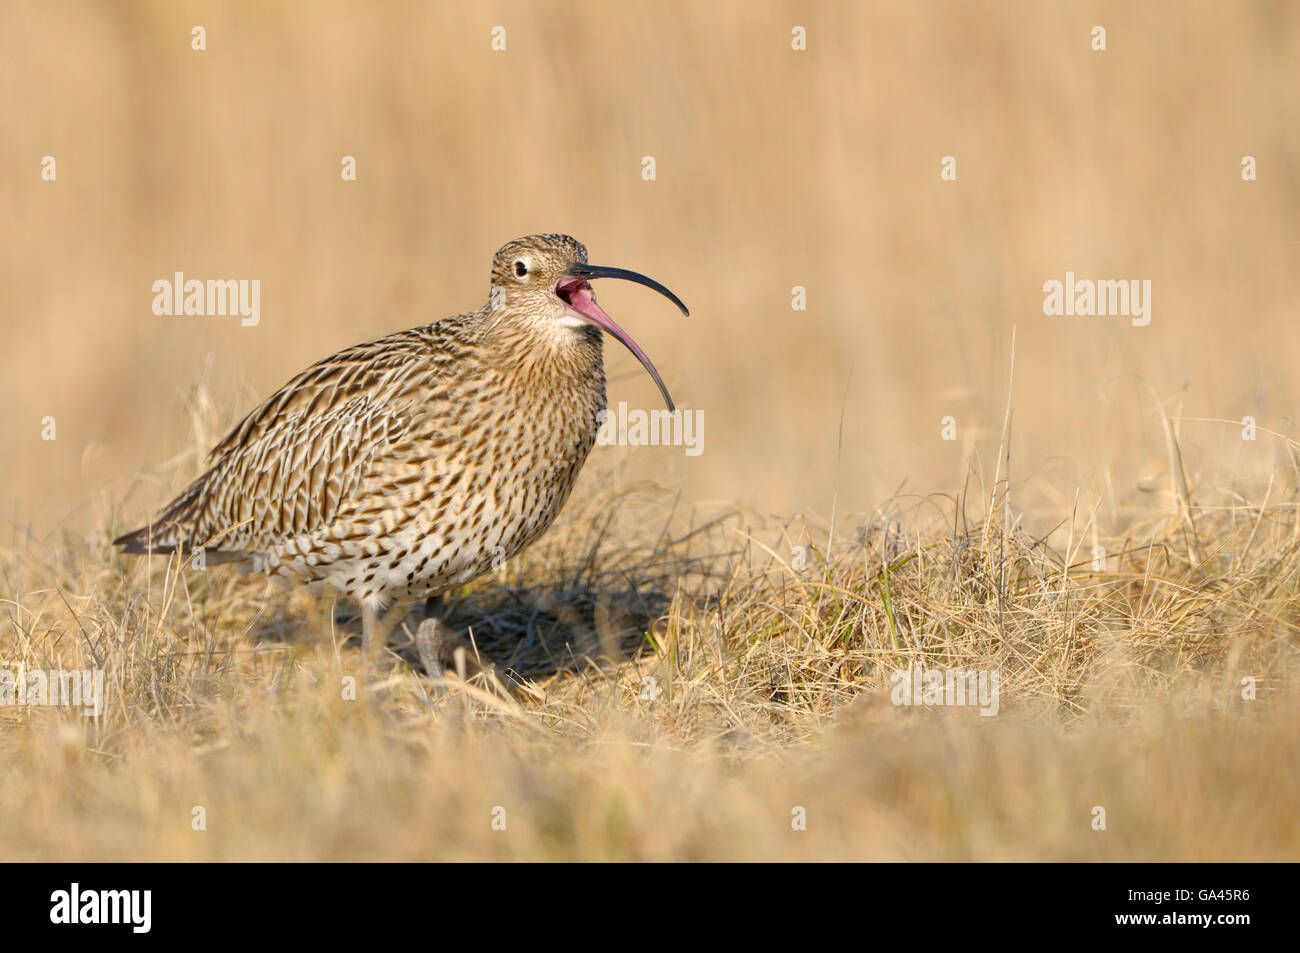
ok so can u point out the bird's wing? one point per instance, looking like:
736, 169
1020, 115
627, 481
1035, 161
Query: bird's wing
292, 463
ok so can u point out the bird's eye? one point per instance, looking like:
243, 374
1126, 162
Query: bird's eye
521, 268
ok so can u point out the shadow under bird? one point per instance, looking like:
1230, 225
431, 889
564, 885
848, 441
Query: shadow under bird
404, 467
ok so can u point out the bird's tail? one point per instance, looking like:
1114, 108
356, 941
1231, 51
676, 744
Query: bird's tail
157, 540
175, 529
141, 542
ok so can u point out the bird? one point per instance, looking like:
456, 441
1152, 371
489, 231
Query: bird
404, 467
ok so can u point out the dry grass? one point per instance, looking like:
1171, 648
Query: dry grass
820, 169
667, 686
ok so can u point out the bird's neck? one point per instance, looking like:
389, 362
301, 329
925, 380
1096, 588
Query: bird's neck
545, 356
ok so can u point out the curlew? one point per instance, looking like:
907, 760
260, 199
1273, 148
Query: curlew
398, 469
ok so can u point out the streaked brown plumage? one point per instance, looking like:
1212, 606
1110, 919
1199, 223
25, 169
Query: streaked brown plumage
406, 466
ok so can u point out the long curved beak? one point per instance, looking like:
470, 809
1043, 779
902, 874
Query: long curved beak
575, 291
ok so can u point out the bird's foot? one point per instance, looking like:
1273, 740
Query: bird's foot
440, 648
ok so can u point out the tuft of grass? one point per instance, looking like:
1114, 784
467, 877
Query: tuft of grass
655, 683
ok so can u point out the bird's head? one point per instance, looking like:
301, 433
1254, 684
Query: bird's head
546, 278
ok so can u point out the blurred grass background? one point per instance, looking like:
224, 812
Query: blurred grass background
775, 168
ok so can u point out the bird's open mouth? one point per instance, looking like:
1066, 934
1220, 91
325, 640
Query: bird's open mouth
575, 291
568, 289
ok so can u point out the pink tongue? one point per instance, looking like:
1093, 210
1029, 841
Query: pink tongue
581, 300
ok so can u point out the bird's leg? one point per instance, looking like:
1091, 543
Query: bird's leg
437, 644
369, 623
428, 642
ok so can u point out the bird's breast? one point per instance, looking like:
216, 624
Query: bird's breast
479, 481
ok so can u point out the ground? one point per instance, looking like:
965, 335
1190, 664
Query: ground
657, 684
